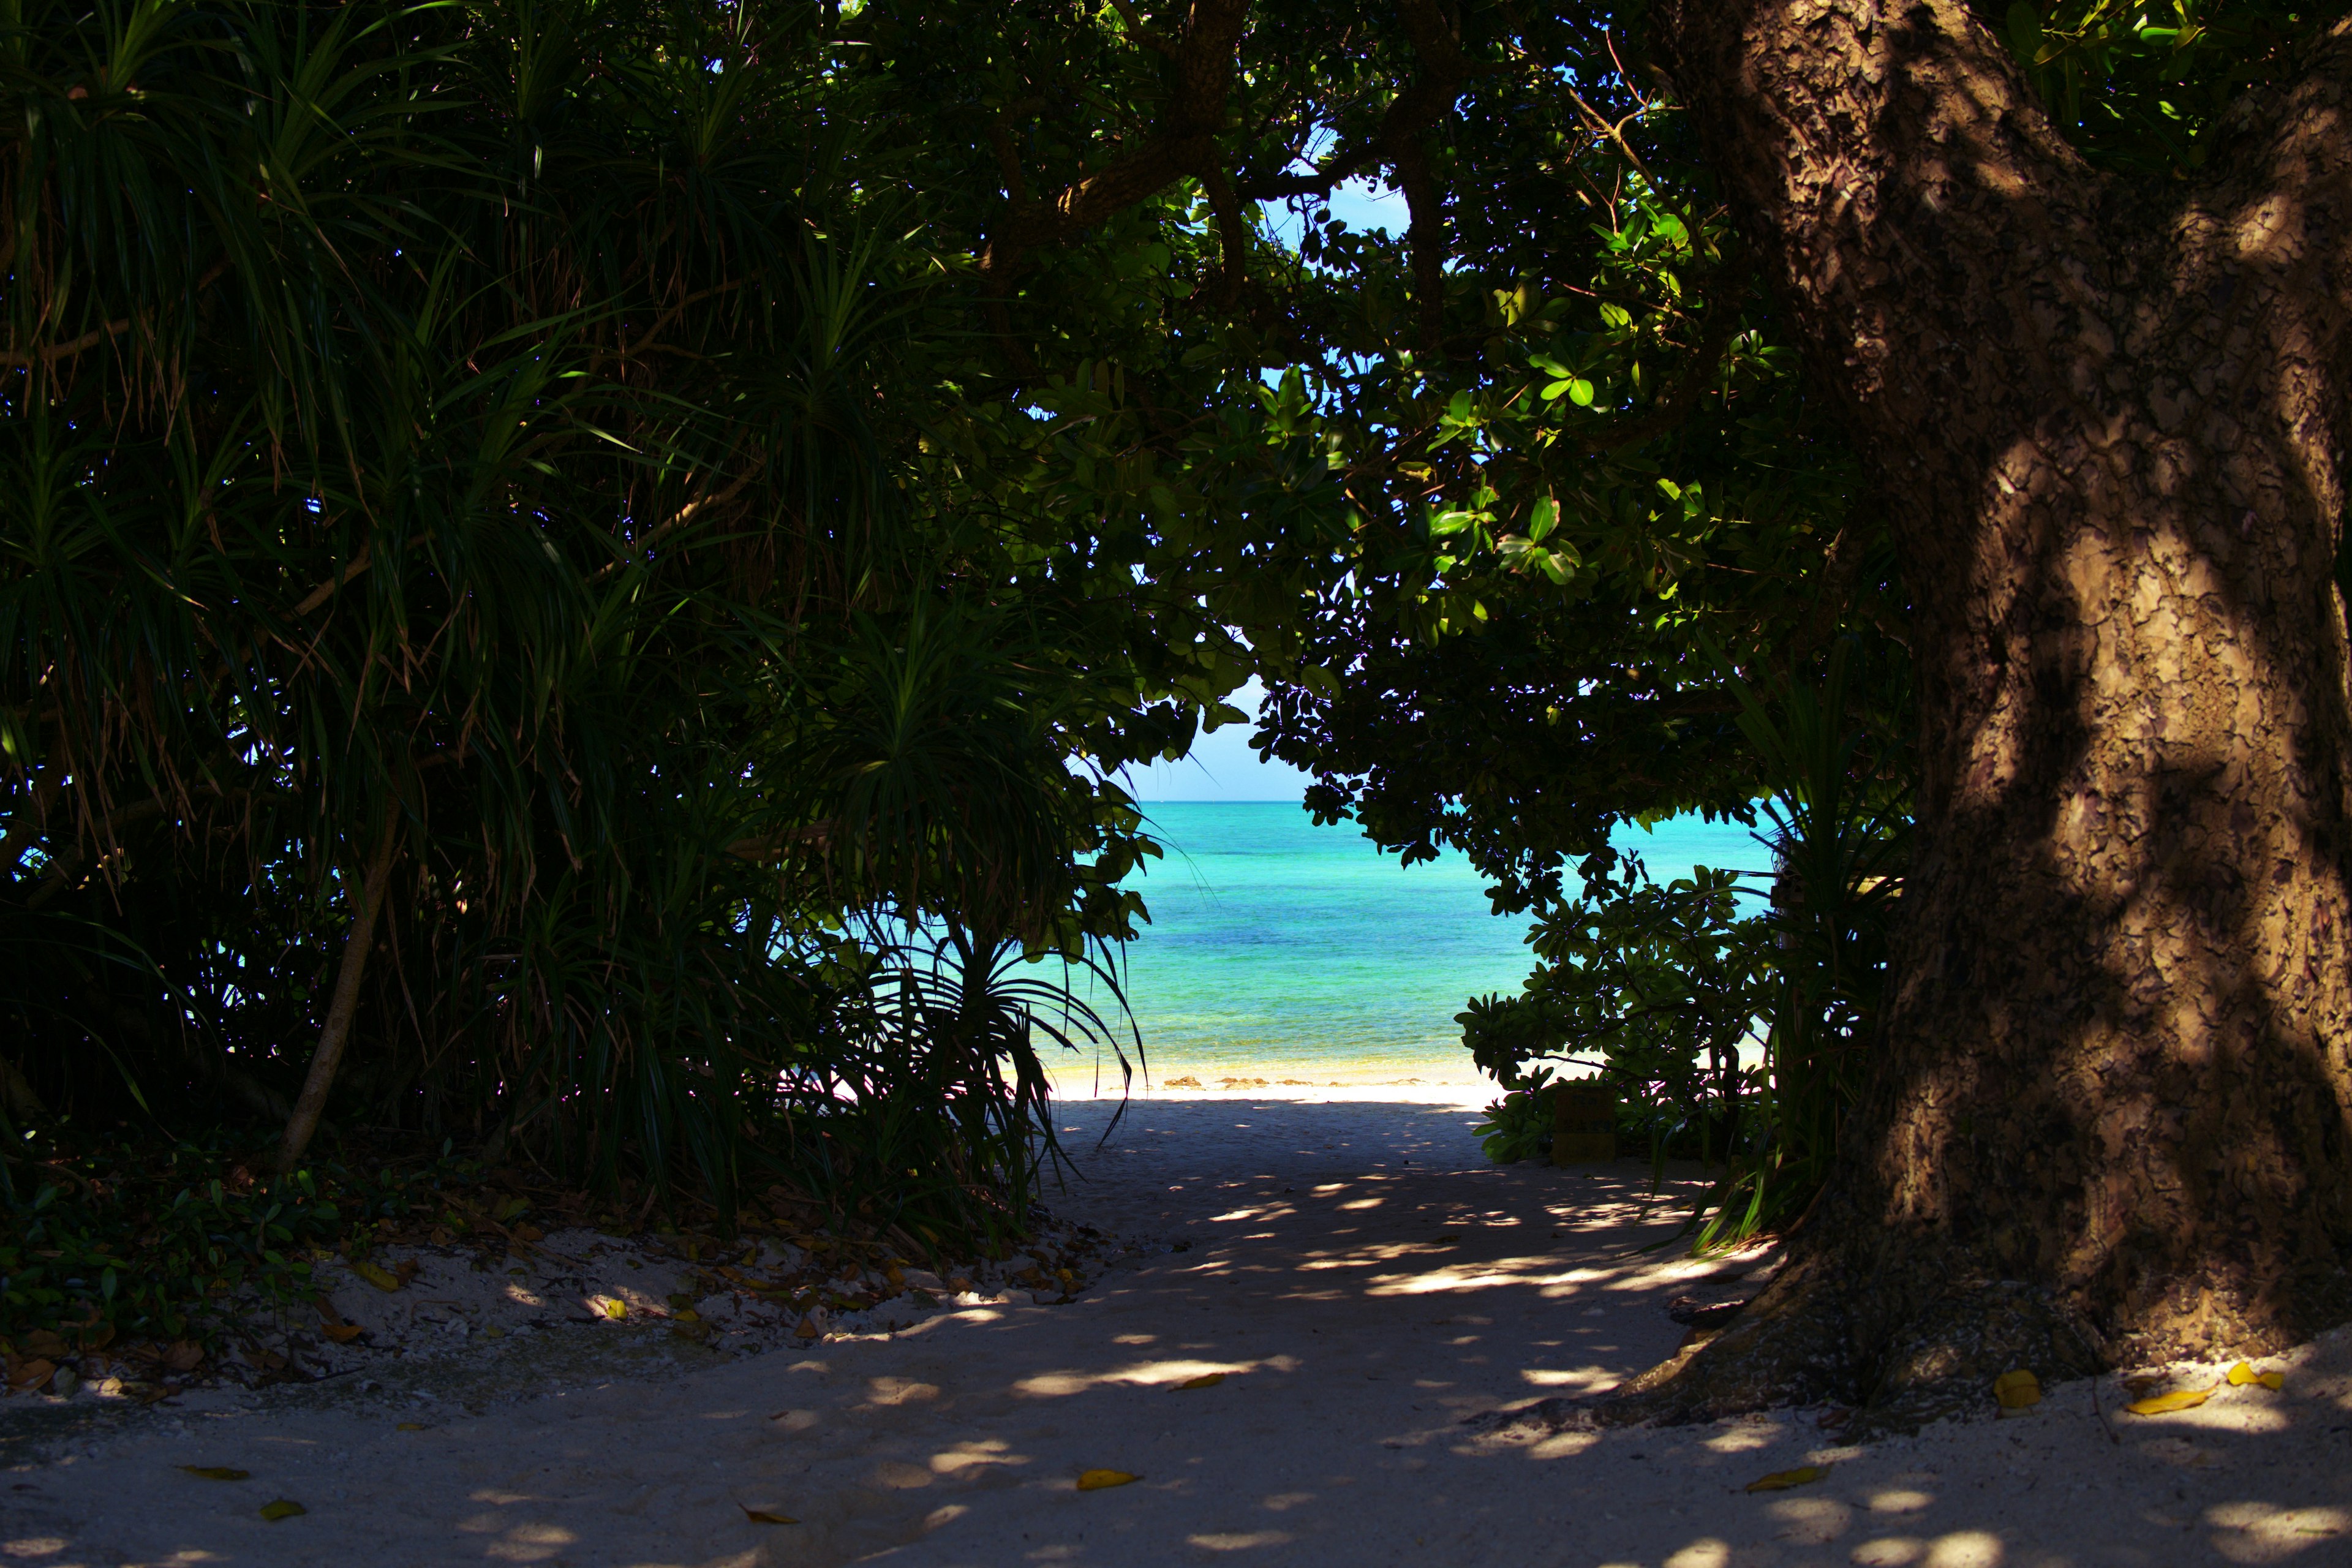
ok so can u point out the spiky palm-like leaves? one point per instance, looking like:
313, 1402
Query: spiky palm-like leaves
457, 438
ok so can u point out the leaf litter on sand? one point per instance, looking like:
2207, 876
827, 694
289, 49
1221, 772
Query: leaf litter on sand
763, 1516
2017, 1390
2165, 1403
1097, 1480
375, 1274
2242, 1375
1782, 1480
217, 1473
281, 1507
1206, 1379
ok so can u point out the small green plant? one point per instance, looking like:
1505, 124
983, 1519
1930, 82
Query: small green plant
1657, 987
1841, 836
1661, 986
122, 1240
1518, 1125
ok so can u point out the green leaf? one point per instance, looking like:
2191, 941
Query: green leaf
1545, 517
2025, 32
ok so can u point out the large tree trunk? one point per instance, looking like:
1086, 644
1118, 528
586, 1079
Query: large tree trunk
2111, 1122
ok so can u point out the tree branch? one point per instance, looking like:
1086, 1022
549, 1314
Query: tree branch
1186, 144
68, 349
91, 339
1143, 32
679, 519
326, 590
1415, 110
1232, 233
1900, 139
1675, 407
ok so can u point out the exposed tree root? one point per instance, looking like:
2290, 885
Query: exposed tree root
1791, 1345
1904, 1348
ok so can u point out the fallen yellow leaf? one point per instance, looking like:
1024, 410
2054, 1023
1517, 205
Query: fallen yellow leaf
611, 1306
807, 1329
282, 1508
2243, 1374
409, 1426
382, 1279
2272, 1380
1096, 1481
2165, 1404
687, 1315
217, 1472
1782, 1480
761, 1515
1206, 1379
342, 1334
2017, 1390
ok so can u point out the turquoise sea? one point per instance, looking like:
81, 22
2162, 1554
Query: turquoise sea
1281, 950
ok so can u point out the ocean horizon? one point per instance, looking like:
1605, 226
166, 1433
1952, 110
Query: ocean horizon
1302, 955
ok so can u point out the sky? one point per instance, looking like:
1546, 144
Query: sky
1362, 205
1221, 766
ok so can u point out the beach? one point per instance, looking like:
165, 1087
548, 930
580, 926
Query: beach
1328, 1333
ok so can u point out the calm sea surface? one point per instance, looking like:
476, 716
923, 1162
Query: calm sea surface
1280, 949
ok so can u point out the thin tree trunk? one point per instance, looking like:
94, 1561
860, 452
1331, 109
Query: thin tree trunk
345, 1002
2111, 1121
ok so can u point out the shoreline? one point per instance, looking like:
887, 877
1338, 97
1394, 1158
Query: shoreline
1178, 1081
1472, 1097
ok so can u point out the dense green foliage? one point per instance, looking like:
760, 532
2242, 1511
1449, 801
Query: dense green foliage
523, 447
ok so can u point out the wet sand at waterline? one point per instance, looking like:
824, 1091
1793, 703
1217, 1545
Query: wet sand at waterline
1377, 1298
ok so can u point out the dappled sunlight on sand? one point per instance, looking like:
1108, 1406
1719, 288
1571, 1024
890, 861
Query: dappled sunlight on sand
1401, 1357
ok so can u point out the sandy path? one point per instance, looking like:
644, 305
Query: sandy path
1318, 1275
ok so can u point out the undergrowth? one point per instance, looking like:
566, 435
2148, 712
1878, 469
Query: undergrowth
117, 1238
123, 1238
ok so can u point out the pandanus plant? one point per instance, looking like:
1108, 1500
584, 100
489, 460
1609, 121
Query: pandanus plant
445, 455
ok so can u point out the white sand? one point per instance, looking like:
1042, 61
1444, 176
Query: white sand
1355, 1340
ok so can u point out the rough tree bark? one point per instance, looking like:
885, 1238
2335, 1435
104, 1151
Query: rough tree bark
2112, 1120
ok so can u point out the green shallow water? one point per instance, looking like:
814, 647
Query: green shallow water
1277, 948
